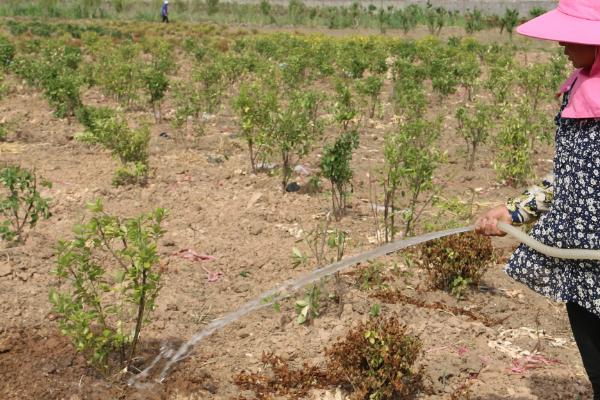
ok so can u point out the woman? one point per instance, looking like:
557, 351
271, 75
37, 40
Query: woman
568, 201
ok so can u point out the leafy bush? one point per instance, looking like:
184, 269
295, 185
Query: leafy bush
157, 83
513, 158
265, 8
376, 360
409, 97
118, 71
293, 130
21, 204
370, 276
444, 76
254, 104
335, 166
344, 108
371, 86
467, 70
188, 102
536, 12
154, 76
406, 18
210, 76
500, 81
212, 7
55, 69
473, 21
130, 146
63, 93
7, 52
296, 10
108, 280
352, 59
410, 161
509, 21
455, 262
435, 18
473, 126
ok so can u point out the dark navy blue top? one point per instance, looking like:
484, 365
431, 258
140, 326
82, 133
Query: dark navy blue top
572, 220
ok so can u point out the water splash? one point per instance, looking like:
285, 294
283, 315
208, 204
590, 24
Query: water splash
171, 357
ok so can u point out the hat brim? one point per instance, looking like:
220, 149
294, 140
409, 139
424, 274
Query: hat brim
560, 27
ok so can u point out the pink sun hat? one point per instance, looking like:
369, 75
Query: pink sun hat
574, 21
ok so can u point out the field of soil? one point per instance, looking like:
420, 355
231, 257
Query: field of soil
217, 207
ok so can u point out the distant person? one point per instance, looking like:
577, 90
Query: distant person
164, 12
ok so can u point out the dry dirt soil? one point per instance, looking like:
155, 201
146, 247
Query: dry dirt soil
217, 207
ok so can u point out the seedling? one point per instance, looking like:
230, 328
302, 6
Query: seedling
307, 308
21, 205
375, 310
370, 277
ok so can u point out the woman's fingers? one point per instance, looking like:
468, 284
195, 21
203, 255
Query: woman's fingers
487, 226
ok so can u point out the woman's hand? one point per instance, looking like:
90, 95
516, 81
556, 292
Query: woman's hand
486, 223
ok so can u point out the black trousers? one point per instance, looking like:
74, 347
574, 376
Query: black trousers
165, 19
586, 330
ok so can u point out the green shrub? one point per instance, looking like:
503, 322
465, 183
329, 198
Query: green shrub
212, 7
17, 28
435, 18
21, 205
473, 126
509, 21
254, 104
54, 68
118, 71
536, 12
411, 158
130, 146
63, 93
7, 52
109, 279
296, 10
473, 21
210, 76
513, 162
265, 7
344, 108
371, 87
157, 83
335, 166
294, 127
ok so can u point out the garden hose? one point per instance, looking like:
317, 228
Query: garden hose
565, 254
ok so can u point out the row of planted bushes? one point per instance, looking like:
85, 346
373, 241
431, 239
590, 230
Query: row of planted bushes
264, 12
275, 83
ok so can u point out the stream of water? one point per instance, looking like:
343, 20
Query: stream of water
168, 357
